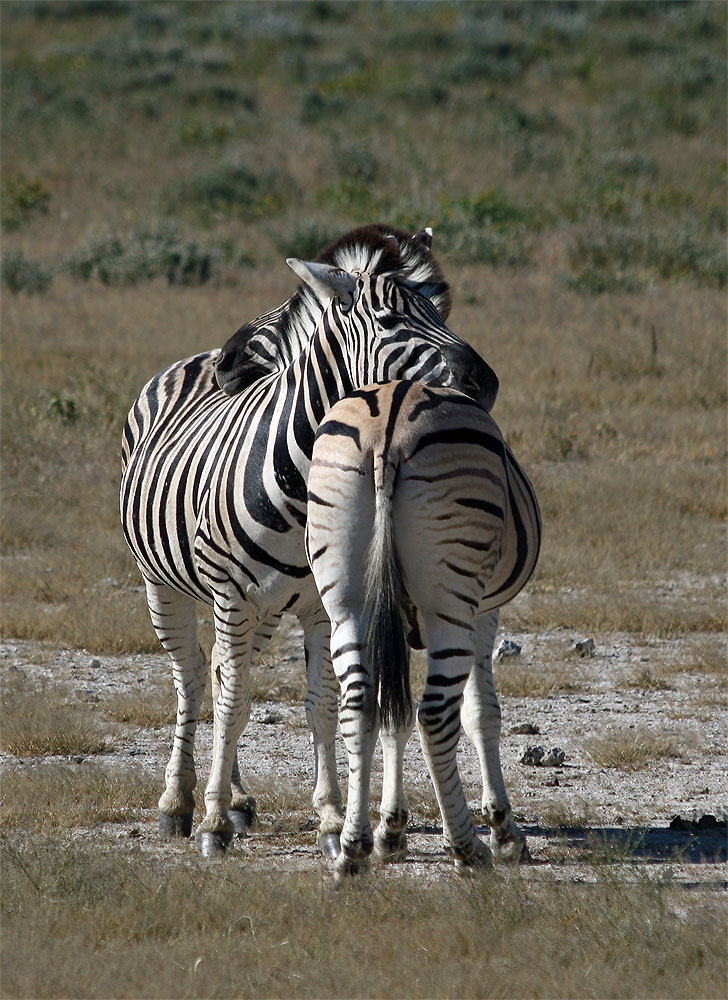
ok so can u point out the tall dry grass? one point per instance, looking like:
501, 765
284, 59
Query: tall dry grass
79, 923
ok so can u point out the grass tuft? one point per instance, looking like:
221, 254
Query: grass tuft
52, 796
45, 720
633, 750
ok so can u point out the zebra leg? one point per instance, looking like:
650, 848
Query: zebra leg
438, 719
234, 634
174, 617
360, 728
242, 809
390, 839
481, 719
322, 714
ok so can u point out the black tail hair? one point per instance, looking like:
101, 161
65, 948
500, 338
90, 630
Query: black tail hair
388, 649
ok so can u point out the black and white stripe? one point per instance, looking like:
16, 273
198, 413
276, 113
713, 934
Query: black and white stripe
213, 496
421, 525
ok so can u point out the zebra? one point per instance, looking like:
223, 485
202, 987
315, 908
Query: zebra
213, 493
447, 529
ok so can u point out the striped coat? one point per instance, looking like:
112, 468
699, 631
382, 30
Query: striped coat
421, 525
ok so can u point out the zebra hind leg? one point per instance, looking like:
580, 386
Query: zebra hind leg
438, 719
481, 718
174, 617
390, 839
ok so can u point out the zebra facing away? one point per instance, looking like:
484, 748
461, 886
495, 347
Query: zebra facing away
213, 495
447, 529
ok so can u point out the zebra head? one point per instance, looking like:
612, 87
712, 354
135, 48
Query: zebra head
381, 330
270, 342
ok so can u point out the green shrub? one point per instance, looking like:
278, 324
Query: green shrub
23, 275
21, 198
486, 244
143, 256
233, 188
609, 258
305, 238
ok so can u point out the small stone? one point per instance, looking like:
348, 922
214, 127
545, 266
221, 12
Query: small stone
507, 648
533, 756
95, 663
525, 729
268, 717
585, 647
554, 758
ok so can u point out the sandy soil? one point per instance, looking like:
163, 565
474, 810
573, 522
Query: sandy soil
565, 810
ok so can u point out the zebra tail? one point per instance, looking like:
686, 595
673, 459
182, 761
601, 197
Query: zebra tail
386, 636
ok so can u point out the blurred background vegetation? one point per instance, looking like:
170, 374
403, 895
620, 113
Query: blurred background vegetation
160, 160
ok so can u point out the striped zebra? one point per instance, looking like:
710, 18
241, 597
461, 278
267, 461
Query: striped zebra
213, 494
446, 529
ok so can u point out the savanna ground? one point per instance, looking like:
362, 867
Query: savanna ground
159, 162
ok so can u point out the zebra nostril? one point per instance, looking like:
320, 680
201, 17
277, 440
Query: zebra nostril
222, 361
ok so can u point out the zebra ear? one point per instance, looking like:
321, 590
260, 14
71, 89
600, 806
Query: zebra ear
327, 282
424, 236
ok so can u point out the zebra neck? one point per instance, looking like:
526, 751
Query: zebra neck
299, 318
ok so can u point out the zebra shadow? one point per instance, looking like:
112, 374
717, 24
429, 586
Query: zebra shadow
702, 841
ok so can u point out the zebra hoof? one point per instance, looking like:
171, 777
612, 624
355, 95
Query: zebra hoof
347, 868
213, 845
390, 849
330, 845
171, 827
241, 821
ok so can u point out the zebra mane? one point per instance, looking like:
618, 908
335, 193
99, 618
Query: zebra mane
270, 342
380, 249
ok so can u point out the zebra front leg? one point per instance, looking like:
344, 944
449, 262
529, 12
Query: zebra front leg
390, 839
438, 720
481, 718
174, 617
322, 714
232, 711
242, 811
359, 720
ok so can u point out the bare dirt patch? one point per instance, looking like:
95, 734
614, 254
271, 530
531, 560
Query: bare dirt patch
652, 807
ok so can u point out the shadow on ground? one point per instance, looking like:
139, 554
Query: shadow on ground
689, 841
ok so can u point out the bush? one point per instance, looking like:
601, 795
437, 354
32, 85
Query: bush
23, 275
159, 251
606, 259
305, 239
234, 188
485, 244
21, 198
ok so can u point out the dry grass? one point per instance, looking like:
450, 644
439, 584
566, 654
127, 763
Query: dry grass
614, 402
119, 926
514, 679
149, 707
52, 796
44, 720
635, 749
